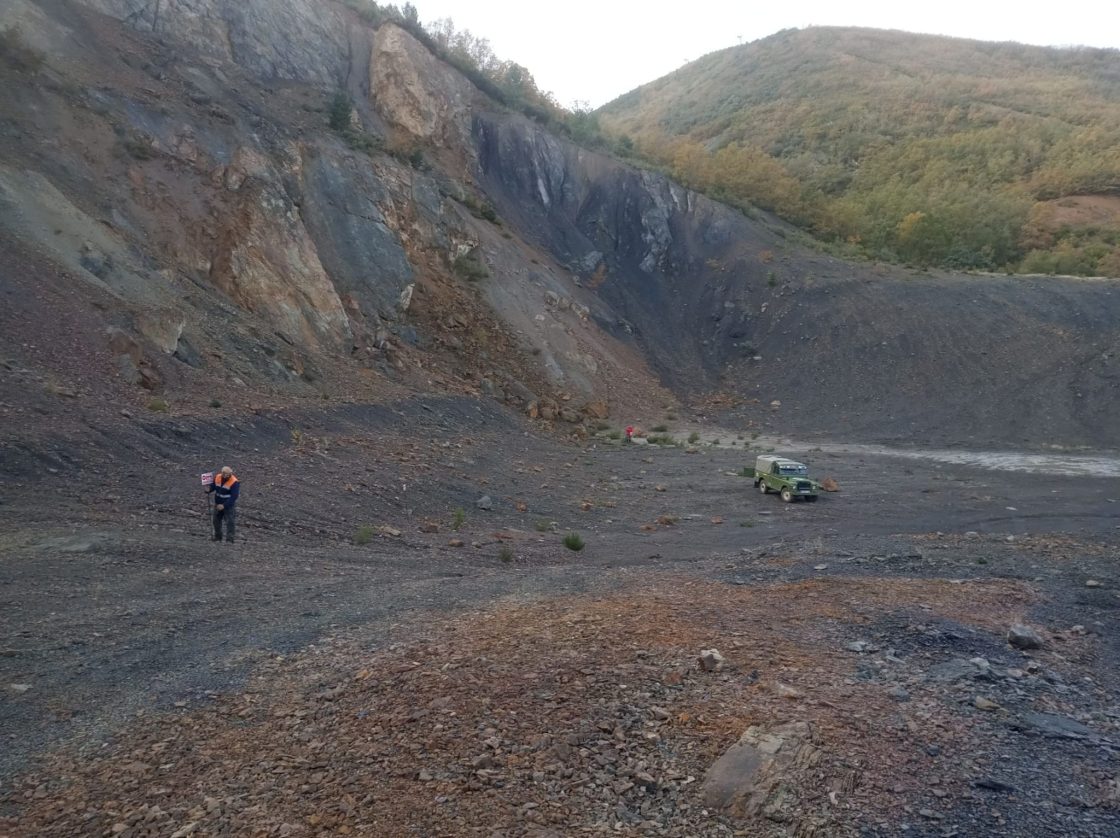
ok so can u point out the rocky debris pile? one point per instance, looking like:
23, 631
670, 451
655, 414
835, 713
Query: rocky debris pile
581, 716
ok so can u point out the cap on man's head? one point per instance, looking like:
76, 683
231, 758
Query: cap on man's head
226, 470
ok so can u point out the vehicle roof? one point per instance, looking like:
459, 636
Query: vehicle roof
782, 461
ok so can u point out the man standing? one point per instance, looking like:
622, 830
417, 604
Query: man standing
226, 488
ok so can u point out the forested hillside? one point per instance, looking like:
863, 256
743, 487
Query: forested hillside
917, 148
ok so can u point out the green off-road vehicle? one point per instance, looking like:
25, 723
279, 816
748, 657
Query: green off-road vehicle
786, 477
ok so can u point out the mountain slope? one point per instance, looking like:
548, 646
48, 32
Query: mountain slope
183, 232
929, 149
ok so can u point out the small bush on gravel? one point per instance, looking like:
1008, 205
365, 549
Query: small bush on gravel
659, 429
506, 554
693, 438
615, 434
543, 525
139, 148
662, 439
573, 541
158, 406
215, 403
364, 535
458, 518
470, 267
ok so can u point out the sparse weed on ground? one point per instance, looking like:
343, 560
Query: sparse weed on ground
363, 535
573, 541
661, 439
505, 555
693, 438
158, 406
458, 518
215, 403
716, 441
542, 525
614, 434
361, 141
659, 429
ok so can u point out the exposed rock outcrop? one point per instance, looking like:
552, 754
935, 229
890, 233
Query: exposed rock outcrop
291, 40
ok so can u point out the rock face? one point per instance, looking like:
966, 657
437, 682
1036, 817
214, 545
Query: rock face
418, 93
618, 228
268, 263
290, 40
363, 256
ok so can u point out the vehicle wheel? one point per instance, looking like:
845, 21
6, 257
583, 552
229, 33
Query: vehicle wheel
762, 487
787, 495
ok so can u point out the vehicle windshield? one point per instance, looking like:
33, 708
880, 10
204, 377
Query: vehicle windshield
798, 470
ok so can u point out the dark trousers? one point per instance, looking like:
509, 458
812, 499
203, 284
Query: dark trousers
229, 515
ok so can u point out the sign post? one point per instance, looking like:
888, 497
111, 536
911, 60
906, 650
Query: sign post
208, 480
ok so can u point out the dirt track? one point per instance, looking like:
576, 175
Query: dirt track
136, 611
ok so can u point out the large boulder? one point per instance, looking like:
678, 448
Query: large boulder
757, 775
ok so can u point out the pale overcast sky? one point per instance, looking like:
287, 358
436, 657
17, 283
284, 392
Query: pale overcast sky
595, 51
